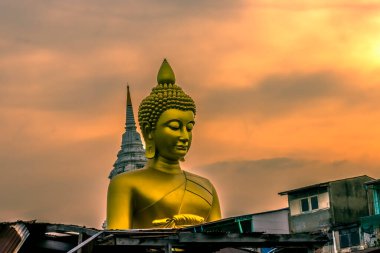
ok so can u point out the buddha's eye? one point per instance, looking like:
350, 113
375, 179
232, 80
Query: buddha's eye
189, 126
174, 125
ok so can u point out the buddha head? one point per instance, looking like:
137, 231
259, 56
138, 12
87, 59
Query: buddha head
166, 118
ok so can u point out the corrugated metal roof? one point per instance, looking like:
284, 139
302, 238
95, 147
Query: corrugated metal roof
23, 232
45, 237
9, 239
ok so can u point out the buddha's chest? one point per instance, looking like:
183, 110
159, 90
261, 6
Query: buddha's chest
159, 196
167, 191
162, 202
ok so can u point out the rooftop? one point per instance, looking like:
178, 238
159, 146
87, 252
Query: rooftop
320, 185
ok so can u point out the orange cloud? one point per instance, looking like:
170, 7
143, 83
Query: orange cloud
295, 79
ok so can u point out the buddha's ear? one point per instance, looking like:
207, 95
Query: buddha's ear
147, 131
150, 145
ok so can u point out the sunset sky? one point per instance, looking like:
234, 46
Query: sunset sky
287, 94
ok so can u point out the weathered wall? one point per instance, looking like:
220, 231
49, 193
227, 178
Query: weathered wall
348, 200
310, 222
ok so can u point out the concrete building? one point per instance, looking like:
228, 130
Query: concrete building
131, 155
334, 207
370, 224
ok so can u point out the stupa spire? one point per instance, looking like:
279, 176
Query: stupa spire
132, 154
129, 117
129, 101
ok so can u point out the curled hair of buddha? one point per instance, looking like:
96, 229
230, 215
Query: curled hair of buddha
166, 95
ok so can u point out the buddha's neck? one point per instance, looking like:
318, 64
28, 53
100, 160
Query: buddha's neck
164, 165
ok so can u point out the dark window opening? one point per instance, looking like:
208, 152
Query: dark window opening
305, 205
349, 237
309, 204
314, 202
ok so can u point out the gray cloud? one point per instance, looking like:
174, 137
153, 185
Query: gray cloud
57, 182
79, 30
82, 25
278, 94
77, 96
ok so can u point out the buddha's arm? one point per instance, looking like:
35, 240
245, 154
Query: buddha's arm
119, 199
215, 207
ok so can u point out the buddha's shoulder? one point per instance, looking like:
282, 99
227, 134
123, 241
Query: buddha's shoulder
201, 181
130, 178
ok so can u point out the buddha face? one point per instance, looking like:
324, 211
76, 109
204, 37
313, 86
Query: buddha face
173, 134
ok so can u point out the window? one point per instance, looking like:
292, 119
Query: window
305, 205
309, 204
349, 237
314, 202
376, 202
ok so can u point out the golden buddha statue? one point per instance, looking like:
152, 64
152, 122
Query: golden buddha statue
161, 194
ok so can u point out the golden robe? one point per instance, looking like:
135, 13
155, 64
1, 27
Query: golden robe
138, 198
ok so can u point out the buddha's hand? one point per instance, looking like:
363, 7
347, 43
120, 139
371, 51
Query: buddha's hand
178, 221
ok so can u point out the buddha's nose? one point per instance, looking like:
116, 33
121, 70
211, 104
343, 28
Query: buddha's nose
184, 137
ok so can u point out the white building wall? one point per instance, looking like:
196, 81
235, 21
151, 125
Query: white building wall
323, 203
275, 222
295, 207
324, 200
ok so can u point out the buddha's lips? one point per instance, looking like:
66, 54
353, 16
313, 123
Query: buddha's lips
181, 147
